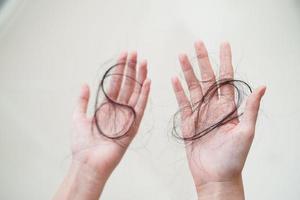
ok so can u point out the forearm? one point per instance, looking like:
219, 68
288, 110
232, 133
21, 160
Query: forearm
81, 182
225, 190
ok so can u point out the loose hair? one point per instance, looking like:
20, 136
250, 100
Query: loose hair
113, 102
239, 87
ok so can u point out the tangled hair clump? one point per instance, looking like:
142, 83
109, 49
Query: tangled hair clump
241, 88
115, 107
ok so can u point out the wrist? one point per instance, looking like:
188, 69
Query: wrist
91, 165
228, 189
86, 173
81, 182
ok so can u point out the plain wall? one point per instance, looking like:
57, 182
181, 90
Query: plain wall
49, 48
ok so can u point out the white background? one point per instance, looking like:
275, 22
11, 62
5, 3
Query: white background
49, 48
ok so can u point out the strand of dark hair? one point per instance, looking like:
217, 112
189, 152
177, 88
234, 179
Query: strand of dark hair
212, 90
115, 103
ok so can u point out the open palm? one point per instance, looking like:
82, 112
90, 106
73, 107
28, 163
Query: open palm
101, 153
219, 155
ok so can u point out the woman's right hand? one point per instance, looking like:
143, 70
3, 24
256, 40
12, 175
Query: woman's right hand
216, 160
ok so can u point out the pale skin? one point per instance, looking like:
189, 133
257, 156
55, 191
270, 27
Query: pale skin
216, 160
94, 156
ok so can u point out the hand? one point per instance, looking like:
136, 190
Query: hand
219, 156
98, 152
94, 156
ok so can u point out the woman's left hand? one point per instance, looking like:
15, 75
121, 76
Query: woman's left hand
95, 156
90, 147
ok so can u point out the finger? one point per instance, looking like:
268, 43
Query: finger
191, 80
143, 99
251, 109
82, 104
182, 100
128, 85
117, 76
142, 74
207, 73
226, 71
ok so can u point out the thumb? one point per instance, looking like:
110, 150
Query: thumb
252, 107
82, 102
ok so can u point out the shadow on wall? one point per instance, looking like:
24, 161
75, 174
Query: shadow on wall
8, 10
297, 4
2, 3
